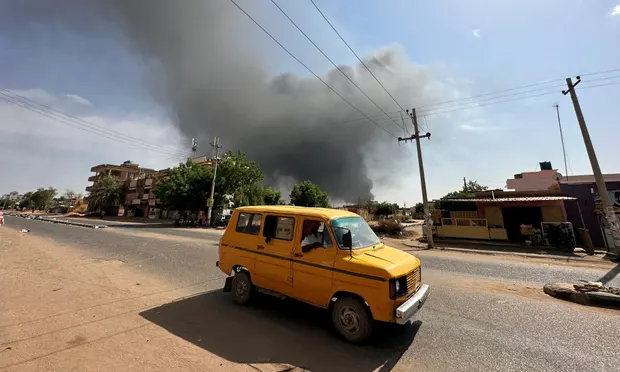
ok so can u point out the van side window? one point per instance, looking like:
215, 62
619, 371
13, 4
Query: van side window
254, 227
314, 235
249, 223
277, 227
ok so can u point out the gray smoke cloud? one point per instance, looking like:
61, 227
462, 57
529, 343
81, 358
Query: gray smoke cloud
208, 66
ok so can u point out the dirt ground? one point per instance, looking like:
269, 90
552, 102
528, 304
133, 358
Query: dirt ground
61, 311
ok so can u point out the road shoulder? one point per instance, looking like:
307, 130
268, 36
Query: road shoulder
61, 310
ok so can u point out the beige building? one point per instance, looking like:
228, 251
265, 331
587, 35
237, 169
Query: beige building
122, 172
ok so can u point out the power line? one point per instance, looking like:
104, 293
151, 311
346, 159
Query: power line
356, 55
505, 91
37, 106
308, 68
333, 63
68, 122
475, 104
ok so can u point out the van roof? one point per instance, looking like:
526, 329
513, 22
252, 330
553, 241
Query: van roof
327, 213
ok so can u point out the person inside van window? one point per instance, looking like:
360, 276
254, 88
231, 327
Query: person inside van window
311, 237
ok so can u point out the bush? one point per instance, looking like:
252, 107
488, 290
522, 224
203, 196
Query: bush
387, 227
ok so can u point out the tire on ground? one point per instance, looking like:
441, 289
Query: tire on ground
352, 319
242, 288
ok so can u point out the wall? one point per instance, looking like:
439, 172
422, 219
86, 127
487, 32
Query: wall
467, 232
586, 203
494, 216
553, 214
533, 181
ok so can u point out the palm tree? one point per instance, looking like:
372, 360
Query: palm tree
108, 192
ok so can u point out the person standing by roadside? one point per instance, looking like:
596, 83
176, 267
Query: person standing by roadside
1, 218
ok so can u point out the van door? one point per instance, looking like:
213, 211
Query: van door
273, 264
245, 239
313, 261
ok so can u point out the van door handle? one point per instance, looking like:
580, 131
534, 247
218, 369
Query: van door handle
260, 247
298, 254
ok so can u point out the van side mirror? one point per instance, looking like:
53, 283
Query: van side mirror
347, 240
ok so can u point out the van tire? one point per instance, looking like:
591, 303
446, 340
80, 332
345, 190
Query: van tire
242, 288
352, 319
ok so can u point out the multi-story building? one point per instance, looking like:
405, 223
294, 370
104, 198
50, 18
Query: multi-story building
140, 183
122, 172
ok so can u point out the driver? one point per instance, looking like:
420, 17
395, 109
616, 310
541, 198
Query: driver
311, 236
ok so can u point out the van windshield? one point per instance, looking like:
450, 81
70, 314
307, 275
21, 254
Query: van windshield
361, 234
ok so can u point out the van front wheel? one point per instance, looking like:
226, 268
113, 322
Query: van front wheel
352, 320
241, 288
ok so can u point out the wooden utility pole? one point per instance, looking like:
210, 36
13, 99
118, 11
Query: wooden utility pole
608, 210
216, 148
428, 221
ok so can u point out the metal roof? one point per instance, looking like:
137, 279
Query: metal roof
514, 199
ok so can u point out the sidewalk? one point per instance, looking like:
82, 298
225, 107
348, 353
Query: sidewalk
62, 311
503, 249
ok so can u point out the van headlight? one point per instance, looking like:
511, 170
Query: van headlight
398, 287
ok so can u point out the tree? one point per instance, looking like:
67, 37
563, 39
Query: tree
108, 192
42, 198
188, 186
307, 194
237, 175
385, 209
257, 194
468, 191
271, 196
419, 209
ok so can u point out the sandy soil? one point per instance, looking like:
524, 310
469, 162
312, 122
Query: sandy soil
61, 311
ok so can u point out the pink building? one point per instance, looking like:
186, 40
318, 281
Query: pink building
534, 181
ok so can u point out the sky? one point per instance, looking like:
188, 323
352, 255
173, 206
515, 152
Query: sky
471, 48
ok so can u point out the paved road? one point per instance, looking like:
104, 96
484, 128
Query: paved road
479, 316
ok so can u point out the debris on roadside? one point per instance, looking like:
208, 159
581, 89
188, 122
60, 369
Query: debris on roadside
25, 230
596, 287
588, 293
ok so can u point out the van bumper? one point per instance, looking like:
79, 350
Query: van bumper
409, 308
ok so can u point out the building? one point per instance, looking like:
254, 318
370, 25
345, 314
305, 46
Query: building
122, 172
140, 183
535, 181
587, 212
500, 215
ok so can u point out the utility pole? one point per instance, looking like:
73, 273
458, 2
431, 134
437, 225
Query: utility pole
216, 148
557, 110
194, 147
608, 210
428, 221
464, 184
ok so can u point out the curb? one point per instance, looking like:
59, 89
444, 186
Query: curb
512, 254
566, 291
527, 255
79, 224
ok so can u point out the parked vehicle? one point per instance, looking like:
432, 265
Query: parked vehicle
325, 257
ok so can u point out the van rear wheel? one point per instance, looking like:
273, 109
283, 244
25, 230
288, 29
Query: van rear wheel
242, 288
352, 319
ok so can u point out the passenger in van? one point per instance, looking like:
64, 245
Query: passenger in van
311, 237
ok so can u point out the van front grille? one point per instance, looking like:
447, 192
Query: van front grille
413, 280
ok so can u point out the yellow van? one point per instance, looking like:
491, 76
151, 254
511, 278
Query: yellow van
326, 257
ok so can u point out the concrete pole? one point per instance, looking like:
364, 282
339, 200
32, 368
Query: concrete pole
557, 110
608, 209
216, 146
427, 214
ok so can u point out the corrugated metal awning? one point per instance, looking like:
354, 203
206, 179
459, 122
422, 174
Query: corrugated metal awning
515, 199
